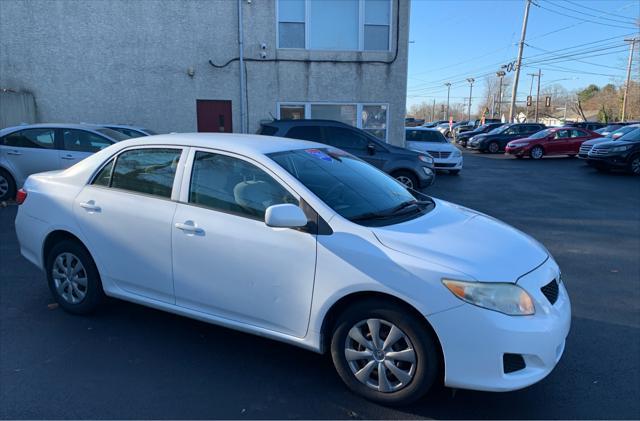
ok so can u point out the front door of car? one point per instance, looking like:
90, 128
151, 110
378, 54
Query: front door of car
126, 213
226, 261
79, 144
357, 144
31, 151
560, 143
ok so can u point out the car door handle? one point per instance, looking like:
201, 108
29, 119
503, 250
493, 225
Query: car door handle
68, 157
14, 153
189, 227
90, 206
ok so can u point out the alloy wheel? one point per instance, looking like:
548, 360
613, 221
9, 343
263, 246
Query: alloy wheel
494, 147
536, 153
405, 180
69, 278
380, 355
635, 165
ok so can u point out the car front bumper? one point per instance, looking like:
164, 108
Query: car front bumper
521, 151
615, 161
451, 163
475, 146
474, 340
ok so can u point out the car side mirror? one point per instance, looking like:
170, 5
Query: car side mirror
371, 148
286, 215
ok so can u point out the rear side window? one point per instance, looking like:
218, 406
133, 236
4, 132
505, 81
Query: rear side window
267, 130
32, 138
150, 171
345, 138
83, 141
313, 133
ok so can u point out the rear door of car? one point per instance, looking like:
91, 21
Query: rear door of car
126, 215
577, 137
78, 144
31, 151
560, 143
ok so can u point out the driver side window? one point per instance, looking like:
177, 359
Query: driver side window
235, 186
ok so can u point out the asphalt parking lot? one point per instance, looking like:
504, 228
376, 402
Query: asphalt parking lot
128, 361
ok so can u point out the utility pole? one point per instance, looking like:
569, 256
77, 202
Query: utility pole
538, 93
501, 75
448, 85
470, 80
516, 78
632, 44
433, 111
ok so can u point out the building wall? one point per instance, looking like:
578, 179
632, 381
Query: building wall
122, 61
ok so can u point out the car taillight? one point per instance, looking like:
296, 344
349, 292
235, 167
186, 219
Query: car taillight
21, 196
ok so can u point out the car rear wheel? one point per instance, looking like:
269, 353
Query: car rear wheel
634, 165
493, 147
406, 178
537, 152
7, 186
384, 353
73, 277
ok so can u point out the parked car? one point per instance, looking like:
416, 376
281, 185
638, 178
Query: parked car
622, 153
447, 131
33, 148
415, 170
305, 244
472, 125
496, 140
130, 131
550, 142
589, 125
433, 124
462, 138
586, 146
445, 155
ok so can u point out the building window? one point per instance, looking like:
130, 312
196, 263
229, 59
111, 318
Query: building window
371, 118
347, 25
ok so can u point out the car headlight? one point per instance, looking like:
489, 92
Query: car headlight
457, 154
502, 297
426, 158
620, 148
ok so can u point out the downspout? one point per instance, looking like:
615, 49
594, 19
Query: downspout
243, 88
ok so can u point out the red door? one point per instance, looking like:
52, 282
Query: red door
214, 115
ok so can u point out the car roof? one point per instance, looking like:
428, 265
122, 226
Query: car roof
422, 129
245, 144
305, 121
119, 126
51, 126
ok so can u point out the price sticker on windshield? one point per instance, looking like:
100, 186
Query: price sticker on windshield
317, 153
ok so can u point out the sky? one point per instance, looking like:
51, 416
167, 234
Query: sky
452, 40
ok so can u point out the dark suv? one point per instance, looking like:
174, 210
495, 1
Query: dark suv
496, 140
589, 125
463, 138
412, 168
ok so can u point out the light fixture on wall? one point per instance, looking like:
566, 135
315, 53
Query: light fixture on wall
191, 72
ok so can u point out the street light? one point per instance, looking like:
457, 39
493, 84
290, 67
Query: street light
448, 85
470, 80
501, 74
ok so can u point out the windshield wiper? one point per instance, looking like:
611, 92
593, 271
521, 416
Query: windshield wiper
395, 211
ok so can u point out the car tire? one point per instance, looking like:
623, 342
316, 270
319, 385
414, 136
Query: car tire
77, 289
7, 186
407, 178
634, 165
454, 172
536, 152
416, 344
493, 147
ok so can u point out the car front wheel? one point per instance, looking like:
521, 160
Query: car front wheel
384, 353
634, 165
406, 178
73, 277
493, 147
537, 152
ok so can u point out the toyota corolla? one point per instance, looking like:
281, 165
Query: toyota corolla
305, 244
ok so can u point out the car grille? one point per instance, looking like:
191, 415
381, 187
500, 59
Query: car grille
440, 155
446, 165
596, 151
512, 363
584, 149
551, 291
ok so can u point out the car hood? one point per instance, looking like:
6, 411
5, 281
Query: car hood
613, 143
466, 241
596, 141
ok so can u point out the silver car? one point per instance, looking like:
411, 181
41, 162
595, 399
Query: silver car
128, 130
29, 149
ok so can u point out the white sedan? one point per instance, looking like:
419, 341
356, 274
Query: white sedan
445, 155
305, 244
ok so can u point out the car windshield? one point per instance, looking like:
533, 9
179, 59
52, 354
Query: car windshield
117, 136
541, 134
500, 129
632, 136
351, 187
425, 136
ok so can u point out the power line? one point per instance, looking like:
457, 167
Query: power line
627, 20
578, 60
562, 13
604, 12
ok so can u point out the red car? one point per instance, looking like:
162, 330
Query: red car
554, 141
